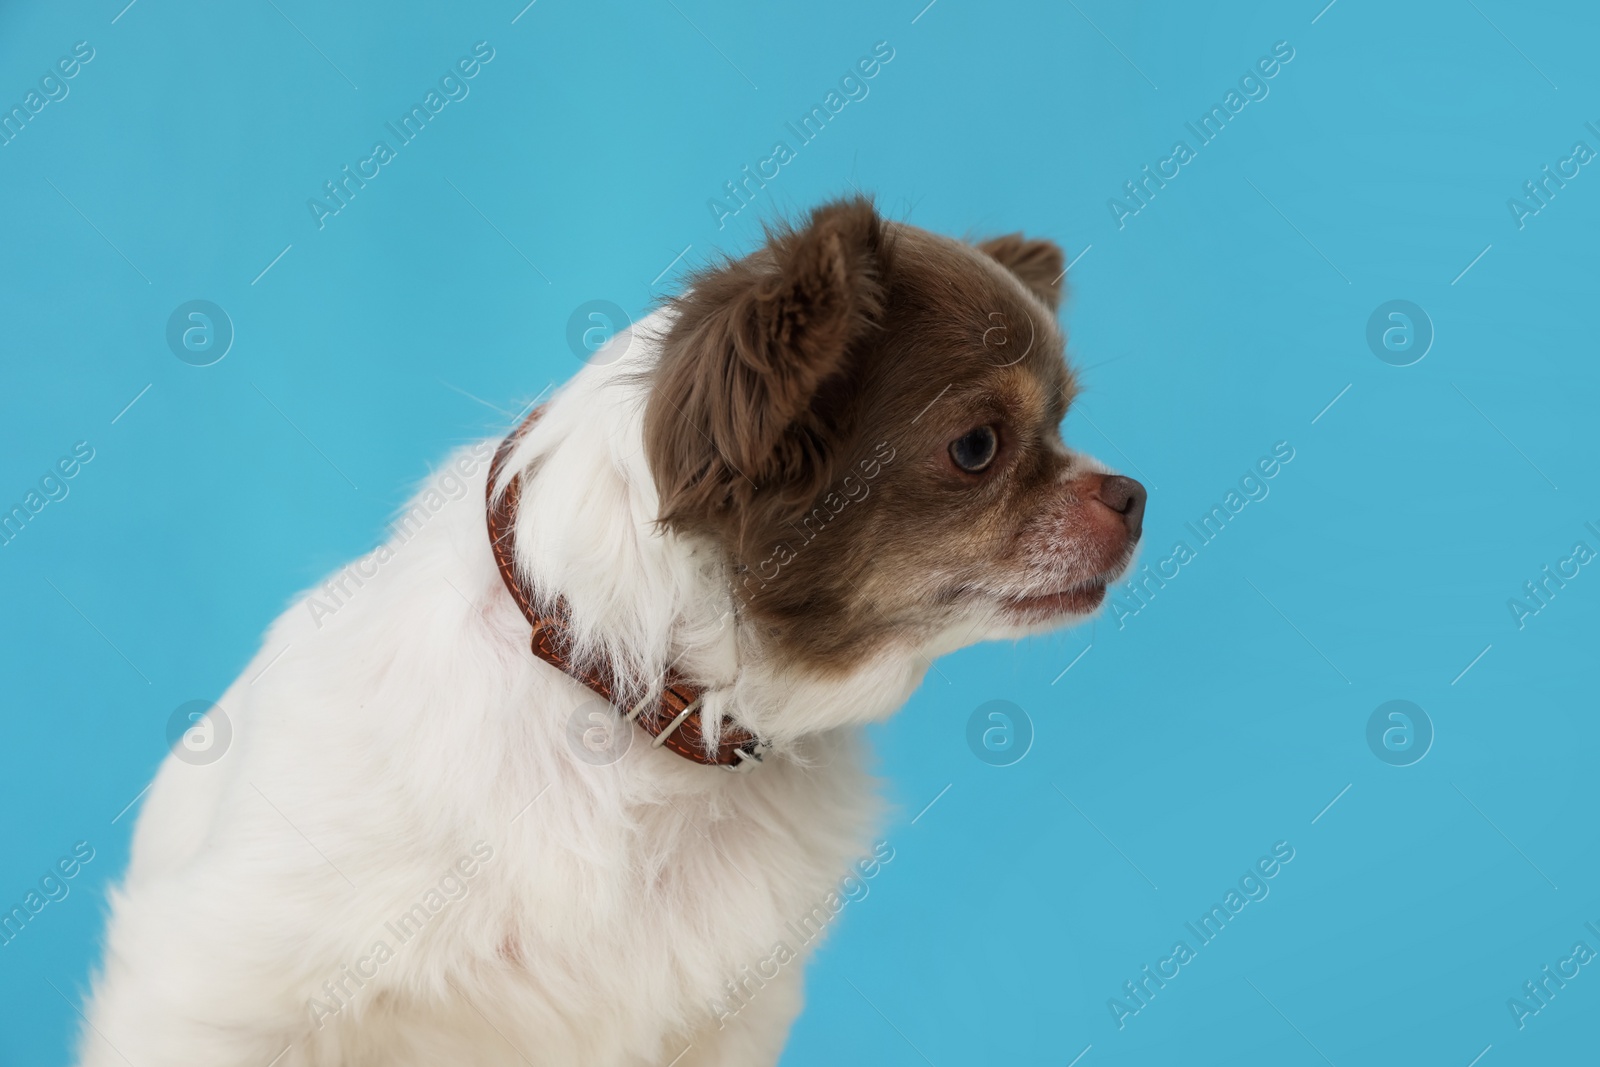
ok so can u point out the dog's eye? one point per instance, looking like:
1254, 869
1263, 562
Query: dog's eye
974, 450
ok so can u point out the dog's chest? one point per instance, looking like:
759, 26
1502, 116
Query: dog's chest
682, 903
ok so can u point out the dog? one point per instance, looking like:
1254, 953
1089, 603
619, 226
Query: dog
543, 778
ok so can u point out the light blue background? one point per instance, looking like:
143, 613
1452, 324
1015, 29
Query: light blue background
1222, 319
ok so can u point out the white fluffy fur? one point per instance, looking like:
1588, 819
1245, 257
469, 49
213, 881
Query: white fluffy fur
376, 749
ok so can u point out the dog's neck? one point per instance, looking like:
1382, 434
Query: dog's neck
640, 597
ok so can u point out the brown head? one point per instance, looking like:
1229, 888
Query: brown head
865, 418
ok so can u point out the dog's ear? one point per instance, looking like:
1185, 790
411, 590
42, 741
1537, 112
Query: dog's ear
1039, 264
734, 411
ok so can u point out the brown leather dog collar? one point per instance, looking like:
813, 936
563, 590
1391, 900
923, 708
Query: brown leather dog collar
673, 718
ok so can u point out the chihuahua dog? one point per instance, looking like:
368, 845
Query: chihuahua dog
543, 778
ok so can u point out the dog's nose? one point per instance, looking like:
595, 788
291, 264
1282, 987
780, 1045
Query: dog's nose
1126, 497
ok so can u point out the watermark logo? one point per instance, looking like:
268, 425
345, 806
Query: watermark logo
1552, 578
1138, 193
1537, 993
1537, 192
52, 486
445, 490
1002, 348
597, 735
852, 87
199, 732
591, 327
52, 888
999, 733
799, 934
853, 488
1140, 590
1399, 333
453, 86
200, 333
340, 991
1252, 887
53, 89
1399, 733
